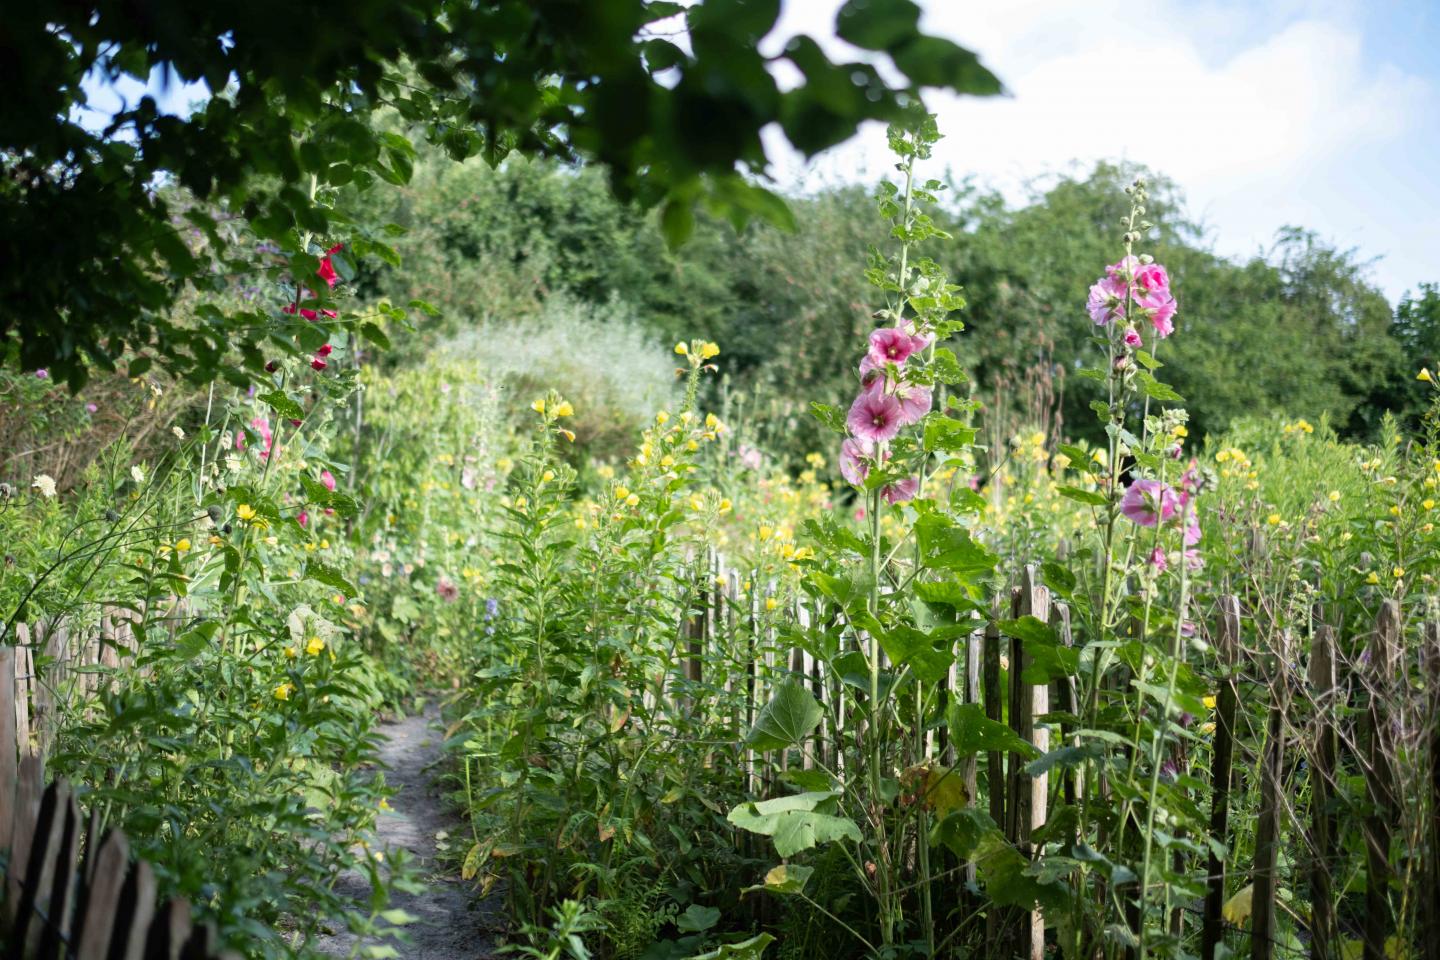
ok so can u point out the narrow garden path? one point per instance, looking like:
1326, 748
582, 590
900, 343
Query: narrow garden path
451, 923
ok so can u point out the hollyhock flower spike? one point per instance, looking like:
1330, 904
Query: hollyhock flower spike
328, 479
1132, 339
1123, 269
1107, 301
875, 417
1151, 279
1158, 561
1161, 309
327, 268
1148, 502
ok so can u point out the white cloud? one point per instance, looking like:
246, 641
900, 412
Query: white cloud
1262, 124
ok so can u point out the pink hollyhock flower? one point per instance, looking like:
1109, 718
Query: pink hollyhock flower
1151, 278
325, 350
914, 403
1107, 300
1192, 533
328, 479
91, 408
446, 589
1148, 502
260, 425
318, 364
875, 416
1158, 561
302, 518
871, 373
327, 269
891, 345
1161, 309
1132, 339
854, 460
1193, 560
901, 490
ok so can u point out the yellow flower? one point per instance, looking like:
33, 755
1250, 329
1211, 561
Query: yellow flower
1424, 375
697, 502
711, 421
1428, 504
632, 501
1395, 510
547, 476
384, 805
662, 418
765, 532
182, 545
538, 406
214, 540
1179, 431
667, 461
681, 349
725, 505
290, 653
283, 691
563, 409
1209, 702
770, 603
567, 434
1334, 496
1273, 519
245, 512
709, 351
622, 492
1373, 577
1397, 572
314, 645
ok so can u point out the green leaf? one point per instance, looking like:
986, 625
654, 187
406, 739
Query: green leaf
744, 950
1088, 497
790, 716
832, 417
1067, 756
962, 831
943, 433
278, 401
323, 573
972, 732
796, 822
697, 919
1028, 629
375, 335
945, 546
928, 658
786, 879
947, 368
877, 24
677, 221
1156, 390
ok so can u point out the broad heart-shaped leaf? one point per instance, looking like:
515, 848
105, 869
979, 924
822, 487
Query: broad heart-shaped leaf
787, 878
744, 950
962, 831
795, 822
278, 401
1004, 871
972, 732
790, 716
697, 918
1047, 657
928, 658
946, 546
315, 570
943, 433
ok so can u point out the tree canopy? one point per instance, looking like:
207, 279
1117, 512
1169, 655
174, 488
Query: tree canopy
671, 98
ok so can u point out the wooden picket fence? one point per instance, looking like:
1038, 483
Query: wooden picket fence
70, 889
1339, 702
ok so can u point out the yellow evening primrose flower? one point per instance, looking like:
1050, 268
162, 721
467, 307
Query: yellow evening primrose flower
1424, 375
1395, 510
245, 512
314, 645
771, 603
563, 409
1209, 702
726, 505
1428, 504
632, 501
538, 406
290, 653
662, 418
681, 349
1397, 572
283, 691
1334, 496
621, 492
547, 476
1273, 519
709, 351
182, 545
1373, 577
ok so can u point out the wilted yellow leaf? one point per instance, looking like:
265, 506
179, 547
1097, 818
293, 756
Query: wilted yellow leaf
945, 791
1237, 908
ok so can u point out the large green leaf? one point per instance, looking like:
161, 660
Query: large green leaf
972, 732
927, 656
750, 949
797, 822
791, 715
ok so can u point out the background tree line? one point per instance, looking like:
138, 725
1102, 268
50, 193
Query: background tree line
1299, 329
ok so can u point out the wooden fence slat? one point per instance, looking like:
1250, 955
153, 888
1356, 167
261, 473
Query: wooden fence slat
170, 932
21, 682
95, 928
1380, 779
1268, 829
9, 757
37, 869
1028, 795
1324, 934
62, 890
1227, 650
133, 915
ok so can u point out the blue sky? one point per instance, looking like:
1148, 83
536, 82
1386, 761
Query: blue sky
1324, 115
1317, 113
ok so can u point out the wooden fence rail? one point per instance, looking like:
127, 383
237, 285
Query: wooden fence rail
1297, 684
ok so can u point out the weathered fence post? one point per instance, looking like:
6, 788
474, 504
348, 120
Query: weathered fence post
1028, 795
1384, 666
1324, 935
1267, 830
1227, 651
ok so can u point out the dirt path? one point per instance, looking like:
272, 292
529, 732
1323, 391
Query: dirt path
452, 924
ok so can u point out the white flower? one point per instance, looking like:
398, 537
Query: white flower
179, 434
137, 474
45, 484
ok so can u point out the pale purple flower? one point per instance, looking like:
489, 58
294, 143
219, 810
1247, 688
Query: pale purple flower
1132, 338
854, 460
1192, 533
914, 403
1148, 502
91, 408
902, 490
1158, 561
1161, 309
1107, 300
875, 416
42, 374
446, 589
